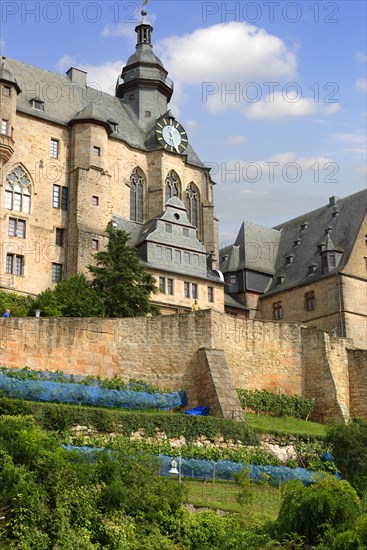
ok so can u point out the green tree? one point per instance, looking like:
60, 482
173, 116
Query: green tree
19, 305
121, 280
77, 298
312, 511
349, 447
47, 302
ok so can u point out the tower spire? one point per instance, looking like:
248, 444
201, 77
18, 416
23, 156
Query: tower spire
144, 29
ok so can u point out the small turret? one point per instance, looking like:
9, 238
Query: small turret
9, 89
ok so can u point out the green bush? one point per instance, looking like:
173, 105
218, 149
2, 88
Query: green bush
349, 447
18, 304
312, 511
264, 401
60, 417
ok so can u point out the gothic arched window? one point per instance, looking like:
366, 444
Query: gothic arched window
137, 196
192, 204
172, 187
18, 191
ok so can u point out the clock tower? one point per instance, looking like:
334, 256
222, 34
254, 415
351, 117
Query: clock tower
144, 84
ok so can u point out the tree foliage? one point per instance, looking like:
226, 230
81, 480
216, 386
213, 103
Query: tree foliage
18, 304
312, 511
121, 280
349, 447
77, 298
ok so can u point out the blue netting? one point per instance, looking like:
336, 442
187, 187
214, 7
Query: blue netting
226, 470
223, 469
198, 411
78, 394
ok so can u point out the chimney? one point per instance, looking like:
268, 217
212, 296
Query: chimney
333, 201
77, 76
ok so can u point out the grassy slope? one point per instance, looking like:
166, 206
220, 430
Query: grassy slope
285, 426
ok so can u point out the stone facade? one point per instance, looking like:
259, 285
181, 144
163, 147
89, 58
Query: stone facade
310, 270
206, 353
77, 155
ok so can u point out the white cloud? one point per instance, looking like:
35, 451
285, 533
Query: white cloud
66, 61
353, 142
360, 57
277, 106
227, 52
104, 76
361, 85
190, 125
236, 140
121, 29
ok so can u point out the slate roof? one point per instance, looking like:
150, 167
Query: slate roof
255, 248
335, 226
64, 100
295, 244
153, 232
229, 301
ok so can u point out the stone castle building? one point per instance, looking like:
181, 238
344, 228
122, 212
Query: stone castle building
75, 159
312, 269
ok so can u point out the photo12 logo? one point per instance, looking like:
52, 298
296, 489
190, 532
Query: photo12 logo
70, 11
270, 12
273, 170
253, 92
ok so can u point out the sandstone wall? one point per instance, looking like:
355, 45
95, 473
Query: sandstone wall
164, 350
358, 382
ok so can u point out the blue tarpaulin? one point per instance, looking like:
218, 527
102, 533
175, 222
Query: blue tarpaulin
198, 411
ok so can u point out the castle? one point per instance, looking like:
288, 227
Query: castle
75, 160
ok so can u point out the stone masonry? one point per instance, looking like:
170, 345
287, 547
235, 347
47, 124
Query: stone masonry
206, 353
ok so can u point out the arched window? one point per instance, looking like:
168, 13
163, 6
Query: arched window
192, 204
137, 196
172, 187
18, 191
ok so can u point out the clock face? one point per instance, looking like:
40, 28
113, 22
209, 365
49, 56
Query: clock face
171, 135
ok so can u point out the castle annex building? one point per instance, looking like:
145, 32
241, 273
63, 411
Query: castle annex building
75, 159
312, 269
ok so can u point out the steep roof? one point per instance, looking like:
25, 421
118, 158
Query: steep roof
333, 227
255, 248
65, 97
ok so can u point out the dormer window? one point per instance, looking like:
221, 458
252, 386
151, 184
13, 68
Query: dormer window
336, 213
296, 242
311, 269
38, 104
328, 261
280, 279
289, 259
114, 125
304, 226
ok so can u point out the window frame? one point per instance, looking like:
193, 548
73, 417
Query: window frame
278, 310
310, 300
211, 294
17, 222
60, 236
54, 148
56, 274
187, 289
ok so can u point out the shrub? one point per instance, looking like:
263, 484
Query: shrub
311, 511
349, 447
278, 405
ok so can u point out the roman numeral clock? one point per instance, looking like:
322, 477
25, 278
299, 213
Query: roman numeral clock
171, 135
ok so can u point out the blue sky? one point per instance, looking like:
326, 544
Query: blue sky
272, 94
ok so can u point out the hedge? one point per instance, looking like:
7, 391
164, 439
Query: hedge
60, 417
278, 405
